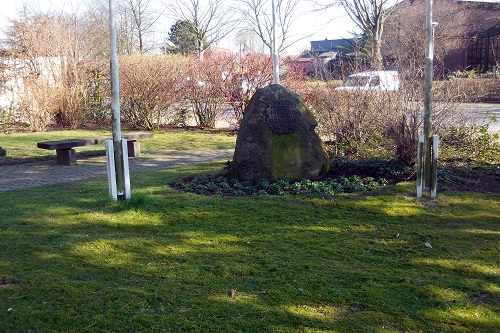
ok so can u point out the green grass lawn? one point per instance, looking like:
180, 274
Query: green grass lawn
72, 261
21, 147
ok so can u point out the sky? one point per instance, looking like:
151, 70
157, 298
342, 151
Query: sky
331, 24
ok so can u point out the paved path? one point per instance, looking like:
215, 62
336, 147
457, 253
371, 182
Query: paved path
28, 175
482, 114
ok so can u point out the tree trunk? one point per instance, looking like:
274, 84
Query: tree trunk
376, 52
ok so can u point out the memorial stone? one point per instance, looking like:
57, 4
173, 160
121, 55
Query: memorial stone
277, 140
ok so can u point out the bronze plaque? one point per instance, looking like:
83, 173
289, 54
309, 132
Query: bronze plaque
283, 117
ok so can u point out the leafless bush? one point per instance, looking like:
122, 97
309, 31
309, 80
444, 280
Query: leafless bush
150, 85
98, 94
85, 94
356, 60
254, 71
251, 72
208, 85
354, 118
346, 116
37, 100
404, 36
222, 83
49, 58
469, 89
294, 77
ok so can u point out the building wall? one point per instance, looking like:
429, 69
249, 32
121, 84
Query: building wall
481, 50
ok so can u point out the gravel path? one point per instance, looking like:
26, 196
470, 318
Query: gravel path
36, 174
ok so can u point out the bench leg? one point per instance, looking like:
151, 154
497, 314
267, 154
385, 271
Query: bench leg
66, 157
134, 148
2, 152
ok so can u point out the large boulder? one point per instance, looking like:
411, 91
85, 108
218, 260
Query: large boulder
276, 139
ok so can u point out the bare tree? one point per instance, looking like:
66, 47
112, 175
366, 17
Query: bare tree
97, 20
404, 39
212, 19
257, 18
143, 17
248, 41
95, 27
135, 23
369, 16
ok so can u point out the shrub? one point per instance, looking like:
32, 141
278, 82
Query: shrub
45, 91
473, 88
38, 103
373, 167
98, 93
342, 116
251, 72
150, 85
471, 143
392, 119
207, 86
222, 84
462, 74
47, 66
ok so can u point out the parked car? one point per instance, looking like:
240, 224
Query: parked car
373, 80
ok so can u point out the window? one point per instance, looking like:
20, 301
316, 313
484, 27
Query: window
375, 81
483, 54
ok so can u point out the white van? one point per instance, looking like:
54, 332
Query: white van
373, 80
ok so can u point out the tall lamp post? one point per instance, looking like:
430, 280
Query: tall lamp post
428, 143
117, 157
276, 70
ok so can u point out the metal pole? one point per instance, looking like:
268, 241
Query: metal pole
115, 100
276, 70
429, 57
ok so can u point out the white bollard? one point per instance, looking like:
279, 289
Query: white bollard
435, 143
126, 173
420, 166
114, 194
110, 163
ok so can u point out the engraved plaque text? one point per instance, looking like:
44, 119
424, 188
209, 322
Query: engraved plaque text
283, 117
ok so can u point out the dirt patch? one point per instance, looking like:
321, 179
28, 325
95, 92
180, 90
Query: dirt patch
481, 180
7, 282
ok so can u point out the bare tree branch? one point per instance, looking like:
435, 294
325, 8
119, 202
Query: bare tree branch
212, 19
144, 17
369, 16
256, 15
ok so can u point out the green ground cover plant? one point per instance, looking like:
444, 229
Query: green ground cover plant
226, 186
170, 261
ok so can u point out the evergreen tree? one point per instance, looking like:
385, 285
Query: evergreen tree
183, 35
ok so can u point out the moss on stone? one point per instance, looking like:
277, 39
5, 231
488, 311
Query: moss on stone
286, 157
263, 154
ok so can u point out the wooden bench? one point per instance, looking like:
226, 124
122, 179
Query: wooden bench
66, 155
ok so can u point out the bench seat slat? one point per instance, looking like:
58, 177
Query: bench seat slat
65, 144
67, 156
70, 143
137, 135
